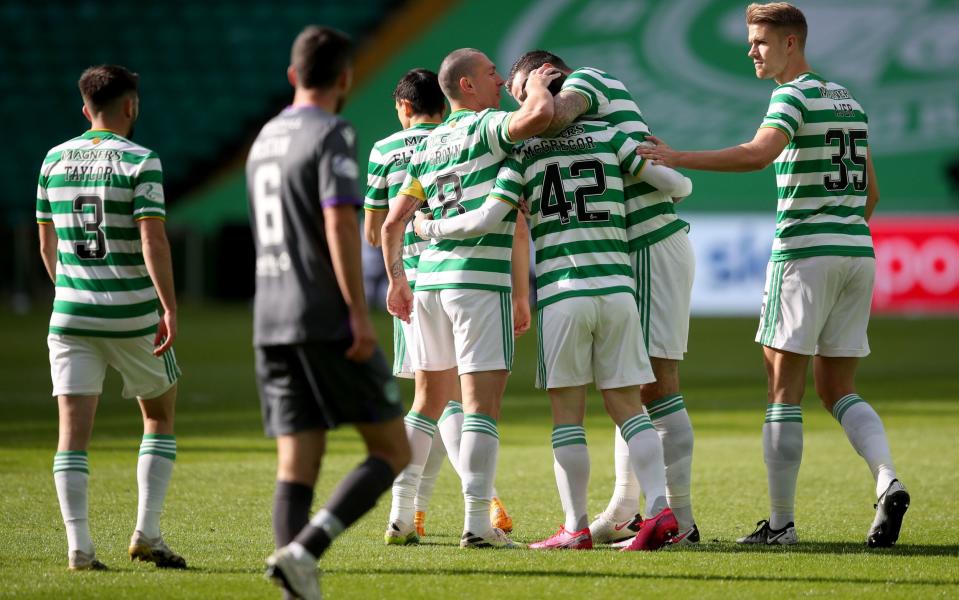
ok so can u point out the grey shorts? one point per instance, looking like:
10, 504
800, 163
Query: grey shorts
314, 386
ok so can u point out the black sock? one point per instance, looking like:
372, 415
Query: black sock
291, 510
356, 494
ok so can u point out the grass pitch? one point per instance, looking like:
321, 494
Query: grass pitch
218, 508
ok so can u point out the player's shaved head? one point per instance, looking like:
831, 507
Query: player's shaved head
457, 64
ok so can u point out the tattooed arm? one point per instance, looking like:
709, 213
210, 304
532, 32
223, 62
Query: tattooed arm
399, 296
567, 107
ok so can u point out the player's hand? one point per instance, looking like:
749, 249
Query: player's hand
372, 235
521, 316
166, 333
542, 76
659, 153
524, 206
418, 219
399, 300
364, 338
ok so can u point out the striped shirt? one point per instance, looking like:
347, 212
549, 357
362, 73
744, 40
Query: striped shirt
574, 186
389, 159
821, 173
651, 215
453, 171
94, 189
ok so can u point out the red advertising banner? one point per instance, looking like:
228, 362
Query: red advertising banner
917, 263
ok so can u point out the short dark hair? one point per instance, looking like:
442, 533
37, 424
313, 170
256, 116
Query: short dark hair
320, 55
532, 60
102, 85
783, 16
421, 88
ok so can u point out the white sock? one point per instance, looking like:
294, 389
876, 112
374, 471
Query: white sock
625, 501
431, 471
646, 456
782, 451
70, 474
865, 432
479, 449
154, 470
571, 466
419, 431
671, 421
451, 431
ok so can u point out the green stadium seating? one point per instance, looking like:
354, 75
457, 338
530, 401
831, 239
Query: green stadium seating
211, 72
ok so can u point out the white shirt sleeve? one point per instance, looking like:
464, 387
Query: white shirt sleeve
470, 224
667, 180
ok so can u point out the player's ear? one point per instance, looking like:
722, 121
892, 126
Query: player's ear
345, 80
291, 75
86, 113
129, 106
466, 86
407, 108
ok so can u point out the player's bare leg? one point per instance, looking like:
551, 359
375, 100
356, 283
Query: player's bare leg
71, 475
479, 451
433, 389
154, 470
835, 379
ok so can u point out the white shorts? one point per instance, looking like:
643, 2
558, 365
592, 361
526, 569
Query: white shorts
664, 284
592, 338
402, 361
464, 328
78, 365
818, 305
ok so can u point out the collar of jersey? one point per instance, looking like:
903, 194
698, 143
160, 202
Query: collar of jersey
810, 74
92, 133
425, 126
457, 114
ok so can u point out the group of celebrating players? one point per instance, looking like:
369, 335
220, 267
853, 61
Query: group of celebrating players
454, 199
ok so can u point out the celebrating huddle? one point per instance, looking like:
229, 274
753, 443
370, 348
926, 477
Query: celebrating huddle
454, 201
480, 172
577, 166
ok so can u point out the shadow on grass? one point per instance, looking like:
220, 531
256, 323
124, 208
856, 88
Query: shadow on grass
829, 548
431, 570
719, 546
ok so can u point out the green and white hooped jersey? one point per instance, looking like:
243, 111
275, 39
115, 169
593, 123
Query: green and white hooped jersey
821, 176
651, 214
94, 189
389, 159
453, 170
574, 186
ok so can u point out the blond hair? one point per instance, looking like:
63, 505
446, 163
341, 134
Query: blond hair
781, 15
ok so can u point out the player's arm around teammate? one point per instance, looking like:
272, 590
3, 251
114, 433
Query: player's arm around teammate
821, 239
